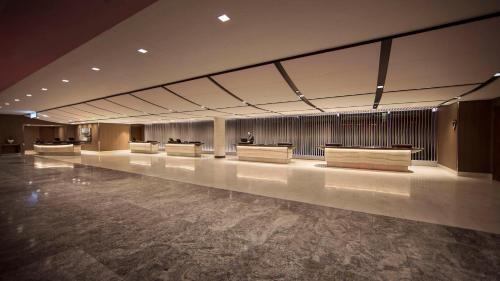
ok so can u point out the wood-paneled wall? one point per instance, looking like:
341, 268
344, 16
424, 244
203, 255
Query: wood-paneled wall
114, 136
107, 137
447, 136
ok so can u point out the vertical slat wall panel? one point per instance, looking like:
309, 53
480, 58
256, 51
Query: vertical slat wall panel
379, 129
186, 131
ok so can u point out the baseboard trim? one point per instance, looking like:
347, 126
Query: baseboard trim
448, 169
424, 163
476, 175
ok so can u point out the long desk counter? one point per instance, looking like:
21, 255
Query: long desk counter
183, 149
376, 158
57, 149
265, 153
144, 147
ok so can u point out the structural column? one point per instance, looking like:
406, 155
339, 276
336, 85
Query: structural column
219, 137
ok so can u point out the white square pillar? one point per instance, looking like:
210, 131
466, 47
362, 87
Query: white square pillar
219, 137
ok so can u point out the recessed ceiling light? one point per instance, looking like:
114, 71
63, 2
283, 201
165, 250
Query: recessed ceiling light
7, 103
380, 87
96, 68
28, 95
142, 51
301, 95
223, 18
65, 81
497, 74
44, 89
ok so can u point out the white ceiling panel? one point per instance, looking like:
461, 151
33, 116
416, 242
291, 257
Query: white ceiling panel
409, 105
96, 110
457, 55
107, 105
64, 112
83, 113
266, 114
56, 113
133, 102
242, 110
349, 109
176, 116
166, 99
343, 72
204, 92
257, 85
491, 91
207, 113
286, 106
301, 112
348, 101
439, 94
56, 116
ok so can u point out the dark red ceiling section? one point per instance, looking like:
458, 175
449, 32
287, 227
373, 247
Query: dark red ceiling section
35, 33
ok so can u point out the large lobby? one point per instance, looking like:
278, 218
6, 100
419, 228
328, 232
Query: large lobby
250, 140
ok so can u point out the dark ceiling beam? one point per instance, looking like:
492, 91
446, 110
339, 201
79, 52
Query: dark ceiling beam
124, 106
294, 87
100, 108
383, 65
151, 103
236, 97
93, 113
475, 89
70, 113
356, 44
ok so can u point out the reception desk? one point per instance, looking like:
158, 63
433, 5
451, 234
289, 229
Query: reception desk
57, 149
144, 147
264, 153
389, 159
183, 149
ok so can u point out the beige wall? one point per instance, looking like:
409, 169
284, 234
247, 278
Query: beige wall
447, 137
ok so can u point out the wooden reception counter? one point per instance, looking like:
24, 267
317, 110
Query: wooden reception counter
57, 149
265, 153
144, 147
376, 158
183, 149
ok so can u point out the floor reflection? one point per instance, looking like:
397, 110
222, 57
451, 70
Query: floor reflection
428, 194
393, 183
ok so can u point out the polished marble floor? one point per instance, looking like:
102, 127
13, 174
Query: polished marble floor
427, 194
65, 221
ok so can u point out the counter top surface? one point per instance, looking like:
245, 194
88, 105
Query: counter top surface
414, 150
196, 143
264, 145
57, 144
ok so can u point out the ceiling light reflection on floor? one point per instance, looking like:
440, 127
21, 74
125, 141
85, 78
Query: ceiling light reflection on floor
39, 164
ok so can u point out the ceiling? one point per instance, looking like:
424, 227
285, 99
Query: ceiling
39, 32
266, 62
